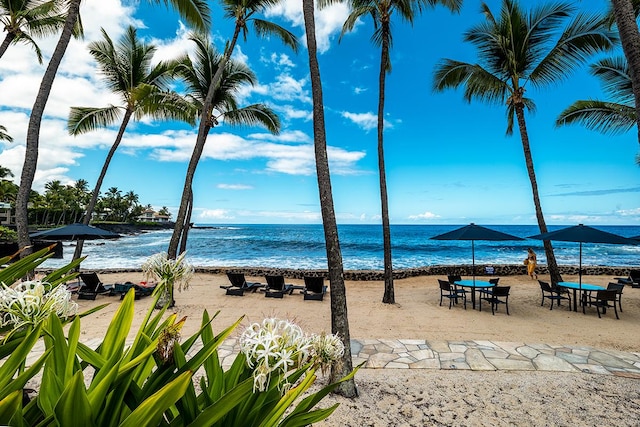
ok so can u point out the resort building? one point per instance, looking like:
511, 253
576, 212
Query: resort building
149, 215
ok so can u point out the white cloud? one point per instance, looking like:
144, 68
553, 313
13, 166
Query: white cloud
280, 61
215, 214
234, 187
425, 215
366, 121
359, 90
629, 212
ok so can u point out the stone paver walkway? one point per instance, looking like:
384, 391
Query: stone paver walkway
476, 355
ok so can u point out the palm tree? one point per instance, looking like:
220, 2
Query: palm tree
624, 12
23, 19
381, 12
4, 136
195, 12
609, 117
339, 318
197, 76
520, 48
143, 90
242, 12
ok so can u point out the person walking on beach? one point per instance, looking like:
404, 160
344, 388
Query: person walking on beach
531, 262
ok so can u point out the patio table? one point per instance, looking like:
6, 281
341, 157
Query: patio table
584, 287
473, 285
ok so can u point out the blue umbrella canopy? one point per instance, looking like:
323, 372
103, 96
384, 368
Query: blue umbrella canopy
75, 232
475, 232
584, 234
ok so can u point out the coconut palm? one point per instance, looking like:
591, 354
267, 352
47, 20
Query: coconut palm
625, 13
4, 136
143, 90
195, 12
339, 318
381, 12
24, 19
609, 117
197, 75
242, 12
517, 49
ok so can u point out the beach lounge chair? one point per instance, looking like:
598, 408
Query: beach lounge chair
499, 295
448, 291
239, 285
633, 280
92, 286
314, 288
142, 289
276, 287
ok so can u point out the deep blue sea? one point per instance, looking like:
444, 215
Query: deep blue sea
302, 247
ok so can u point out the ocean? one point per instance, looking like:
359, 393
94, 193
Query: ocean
302, 247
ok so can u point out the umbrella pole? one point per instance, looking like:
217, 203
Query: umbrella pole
473, 261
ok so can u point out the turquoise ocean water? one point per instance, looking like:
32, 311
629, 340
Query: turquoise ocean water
302, 246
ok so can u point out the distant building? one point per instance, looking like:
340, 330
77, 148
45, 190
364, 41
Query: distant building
5, 213
149, 215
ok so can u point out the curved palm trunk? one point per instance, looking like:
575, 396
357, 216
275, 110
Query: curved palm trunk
552, 265
6, 42
203, 131
339, 318
96, 191
630, 38
187, 224
389, 297
33, 131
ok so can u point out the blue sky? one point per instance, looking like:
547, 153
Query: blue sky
448, 162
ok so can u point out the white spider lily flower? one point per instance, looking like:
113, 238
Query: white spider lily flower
29, 303
171, 271
280, 346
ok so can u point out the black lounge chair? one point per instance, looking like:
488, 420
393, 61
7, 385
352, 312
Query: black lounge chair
141, 290
276, 287
633, 280
314, 288
92, 286
239, 285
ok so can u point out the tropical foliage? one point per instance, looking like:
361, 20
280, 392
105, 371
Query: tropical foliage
150, 380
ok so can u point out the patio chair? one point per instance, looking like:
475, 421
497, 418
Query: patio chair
554, 293
92, 286
618, 287
448, 291
276, 287
453, 278
239, 285
314, 288
602, 300
499, 295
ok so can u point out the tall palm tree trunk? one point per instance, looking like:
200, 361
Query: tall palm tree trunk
203, 131
187, 224
552, 265
389, 297
339, 318
96, 191
33, 131
6, 42
630, 38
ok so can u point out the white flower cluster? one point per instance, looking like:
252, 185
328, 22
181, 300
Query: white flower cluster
169, 271
279, 346
29, 303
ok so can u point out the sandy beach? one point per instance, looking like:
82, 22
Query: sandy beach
439, 397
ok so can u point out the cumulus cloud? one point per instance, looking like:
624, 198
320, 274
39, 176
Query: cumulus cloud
425, 215
215, 214
234, 187
366, 121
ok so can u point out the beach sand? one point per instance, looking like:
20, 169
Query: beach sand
395, 397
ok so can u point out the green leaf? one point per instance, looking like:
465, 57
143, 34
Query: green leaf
17, 359
226, 403
118, 330
73, 408
150, 411
11, 408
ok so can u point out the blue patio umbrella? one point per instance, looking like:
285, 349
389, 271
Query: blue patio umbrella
475, 232
75, 231
584, 234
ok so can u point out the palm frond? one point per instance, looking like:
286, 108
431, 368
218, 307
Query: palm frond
85, 119
4, 136
168, 106
478, 82
195, 12
605, 117
266, 28
585, 36
614, 76
252, 115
